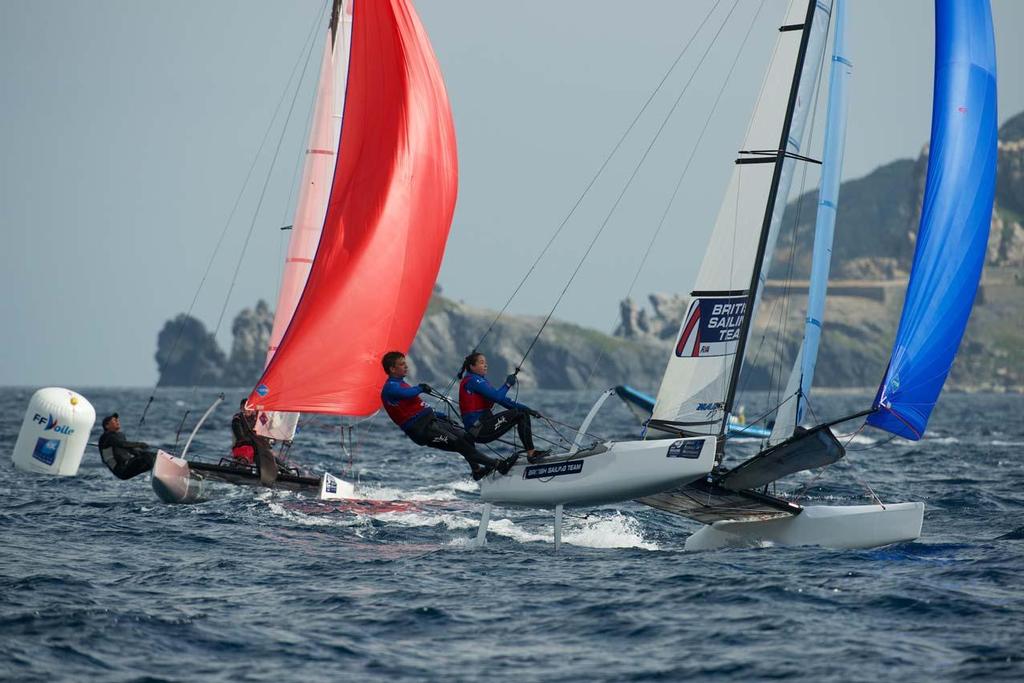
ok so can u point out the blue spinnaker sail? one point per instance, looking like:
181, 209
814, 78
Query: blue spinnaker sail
955, 218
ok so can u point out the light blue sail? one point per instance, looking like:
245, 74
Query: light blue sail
955, 219
799, 386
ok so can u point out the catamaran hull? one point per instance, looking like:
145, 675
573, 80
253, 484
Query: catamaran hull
850, 526
623, 471
176, 481
173, 480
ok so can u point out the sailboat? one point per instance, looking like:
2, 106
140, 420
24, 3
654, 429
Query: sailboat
378, 194
684, 438
700, 386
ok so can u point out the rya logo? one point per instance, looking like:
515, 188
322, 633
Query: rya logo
52, 424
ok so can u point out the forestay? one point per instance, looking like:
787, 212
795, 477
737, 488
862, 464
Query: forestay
699, 382
386, 225
955, 219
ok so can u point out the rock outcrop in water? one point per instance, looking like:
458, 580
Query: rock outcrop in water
251, 330
187, 355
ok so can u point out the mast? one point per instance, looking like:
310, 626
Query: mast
780, 156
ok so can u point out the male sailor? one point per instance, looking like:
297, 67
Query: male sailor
424, 425
477, 397
126, 459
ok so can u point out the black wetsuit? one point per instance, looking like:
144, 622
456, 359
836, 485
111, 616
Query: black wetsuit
126, 459
437, 431
243, 429
492, 426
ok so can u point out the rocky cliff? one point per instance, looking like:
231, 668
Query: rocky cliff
874, 246
188, 355
567, 356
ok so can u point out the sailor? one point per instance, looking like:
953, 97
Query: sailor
243, 425
477, 397
424, 425
126, 459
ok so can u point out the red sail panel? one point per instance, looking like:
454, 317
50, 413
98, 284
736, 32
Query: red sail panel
387, 223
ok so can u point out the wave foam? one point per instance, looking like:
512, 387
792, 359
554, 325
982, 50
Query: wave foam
618, 531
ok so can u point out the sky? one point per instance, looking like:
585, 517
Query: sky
128, 128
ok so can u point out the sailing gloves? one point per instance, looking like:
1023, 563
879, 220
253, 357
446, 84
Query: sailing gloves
510, 380
426, 388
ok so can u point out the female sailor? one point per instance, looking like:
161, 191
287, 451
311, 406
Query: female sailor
477, 397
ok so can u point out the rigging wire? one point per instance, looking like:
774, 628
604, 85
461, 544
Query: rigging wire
597, 174
679, 182
227, 224
300, 157
629, 182
263, 191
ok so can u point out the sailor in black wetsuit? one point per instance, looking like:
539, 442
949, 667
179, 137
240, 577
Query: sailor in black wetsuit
126, 459
243, 431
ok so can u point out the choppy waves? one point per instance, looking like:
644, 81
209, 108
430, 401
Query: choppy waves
100, 581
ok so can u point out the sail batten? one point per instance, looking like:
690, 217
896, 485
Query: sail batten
956, 215
387, 221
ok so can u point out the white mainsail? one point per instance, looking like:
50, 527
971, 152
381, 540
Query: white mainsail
697, 385
315, 191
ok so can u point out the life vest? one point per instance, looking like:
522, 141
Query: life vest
470, 401
244, 452
405, 409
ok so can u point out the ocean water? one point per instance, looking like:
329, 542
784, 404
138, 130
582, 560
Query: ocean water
101, 581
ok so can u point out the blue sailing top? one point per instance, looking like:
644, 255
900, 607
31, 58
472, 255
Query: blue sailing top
955, 219
473, 410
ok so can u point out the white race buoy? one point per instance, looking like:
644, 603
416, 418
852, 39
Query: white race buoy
55, 432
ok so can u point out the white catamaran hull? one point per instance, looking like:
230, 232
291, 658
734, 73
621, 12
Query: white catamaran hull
174, 480
625, 470
849, 526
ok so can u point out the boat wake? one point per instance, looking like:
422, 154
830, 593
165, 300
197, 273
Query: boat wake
590, 531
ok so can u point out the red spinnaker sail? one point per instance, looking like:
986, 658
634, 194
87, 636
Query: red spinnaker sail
387, 223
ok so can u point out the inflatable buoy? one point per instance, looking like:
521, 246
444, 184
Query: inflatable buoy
54, 433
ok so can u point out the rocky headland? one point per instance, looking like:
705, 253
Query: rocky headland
873, 249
